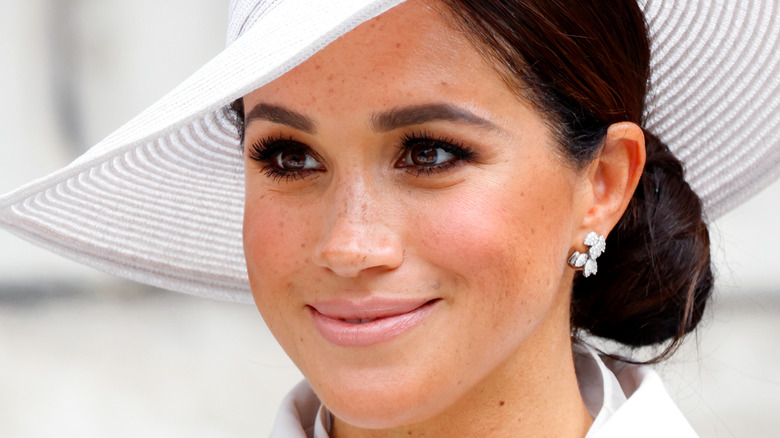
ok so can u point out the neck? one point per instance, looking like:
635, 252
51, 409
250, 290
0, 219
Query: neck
534, 393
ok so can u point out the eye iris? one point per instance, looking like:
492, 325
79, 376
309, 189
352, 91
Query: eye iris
292, 159
425, 155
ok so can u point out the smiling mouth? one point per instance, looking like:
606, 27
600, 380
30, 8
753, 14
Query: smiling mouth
348, 324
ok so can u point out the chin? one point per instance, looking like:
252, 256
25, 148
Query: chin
384, 409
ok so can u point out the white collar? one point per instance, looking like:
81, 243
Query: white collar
624, 400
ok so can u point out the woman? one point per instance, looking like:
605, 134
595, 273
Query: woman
419, 197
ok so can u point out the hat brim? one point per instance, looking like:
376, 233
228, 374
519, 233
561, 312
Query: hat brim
715, 94
160, 201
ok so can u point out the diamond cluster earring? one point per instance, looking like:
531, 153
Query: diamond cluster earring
587, 261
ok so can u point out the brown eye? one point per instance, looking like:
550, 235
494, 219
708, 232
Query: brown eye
296, 158
425, 154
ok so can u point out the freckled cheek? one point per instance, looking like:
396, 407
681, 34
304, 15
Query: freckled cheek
493, 236
273, 251
274, 242
466, 233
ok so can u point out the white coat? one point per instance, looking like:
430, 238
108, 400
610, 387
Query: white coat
625, 400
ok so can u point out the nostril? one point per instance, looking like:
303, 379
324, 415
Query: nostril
350, 258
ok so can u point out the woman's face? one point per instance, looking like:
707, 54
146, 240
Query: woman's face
407, 222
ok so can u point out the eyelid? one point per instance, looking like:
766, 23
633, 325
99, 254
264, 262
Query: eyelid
263, 149
448, 143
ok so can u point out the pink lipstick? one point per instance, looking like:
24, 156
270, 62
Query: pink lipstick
359, 323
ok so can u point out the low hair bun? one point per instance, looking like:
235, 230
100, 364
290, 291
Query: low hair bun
655, 277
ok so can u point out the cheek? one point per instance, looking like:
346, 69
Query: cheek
503, 245
470, 235
273, 244
264, 234
489, 231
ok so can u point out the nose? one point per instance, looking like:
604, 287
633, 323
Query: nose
356, 236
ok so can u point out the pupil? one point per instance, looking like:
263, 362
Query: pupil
425, 156
293, 160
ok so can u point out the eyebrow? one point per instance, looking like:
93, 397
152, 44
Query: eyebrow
395, 118
283, 116
384, 121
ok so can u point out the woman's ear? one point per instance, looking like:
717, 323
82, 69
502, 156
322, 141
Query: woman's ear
613, 176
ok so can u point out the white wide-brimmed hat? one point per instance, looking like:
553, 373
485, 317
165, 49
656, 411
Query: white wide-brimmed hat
160, 200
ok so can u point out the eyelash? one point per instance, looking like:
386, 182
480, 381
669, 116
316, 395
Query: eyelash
265, 151
461, 152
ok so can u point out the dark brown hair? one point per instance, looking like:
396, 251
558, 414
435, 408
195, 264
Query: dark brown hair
586, 65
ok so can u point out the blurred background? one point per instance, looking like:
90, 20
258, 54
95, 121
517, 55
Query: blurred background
88, 355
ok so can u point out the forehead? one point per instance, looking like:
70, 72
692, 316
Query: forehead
410, 52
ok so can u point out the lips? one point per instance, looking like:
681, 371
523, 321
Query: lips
360, 323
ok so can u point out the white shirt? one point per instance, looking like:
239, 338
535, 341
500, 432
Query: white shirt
623, 399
